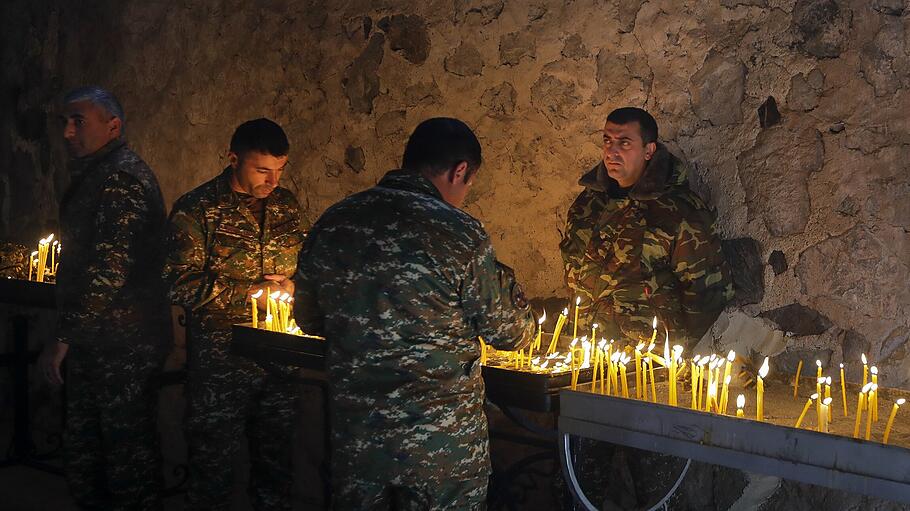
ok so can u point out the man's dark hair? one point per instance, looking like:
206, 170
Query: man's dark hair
646, 124
262, 135
439, 144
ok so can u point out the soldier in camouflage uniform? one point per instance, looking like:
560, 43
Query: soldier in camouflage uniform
113, 325
227, 239
402, 282
638, 242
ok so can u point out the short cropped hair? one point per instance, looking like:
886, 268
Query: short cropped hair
99, 97
260, 135
647, 125
439, 144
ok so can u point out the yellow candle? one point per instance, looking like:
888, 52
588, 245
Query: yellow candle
760, 410
827, 387
654, 329
805, 409
644, 379
897, 404
818, 403
53, 255
873, 405
826, 406
740, 403
536, 344
694, 378
560, 321
843, 389
651, 374
594, 331
869, 399
865, 369
254, 303
32, 263
731, 356
575, 323
625, 382
674, 368
268, 322
638, 371
285, 308
799, 368
703, 375
860, 402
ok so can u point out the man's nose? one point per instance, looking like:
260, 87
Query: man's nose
69, 130
271, 178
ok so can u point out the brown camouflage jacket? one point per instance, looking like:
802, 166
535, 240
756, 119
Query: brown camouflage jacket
216, 249
111, 222
402, 284
650, 250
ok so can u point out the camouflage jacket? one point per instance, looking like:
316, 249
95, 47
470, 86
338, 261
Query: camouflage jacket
111, 222
401, 284
215, 250
650, 251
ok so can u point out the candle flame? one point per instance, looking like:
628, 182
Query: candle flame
545, 364
625, 358
651, 347
873, 370
728, 379
866, 388
640, 346
821, 380
654, 323
695, 359
764, 368
873, 388
731, 356
577, 301
268, 317
574, 342
34, 253
602, 343
284, 297
257, 294
813, 397
900, 401
740, 401
595, 325
565, 312
841, 365
818, 363
704, 361
667, 351
677, 350
828, 380
275, 295
50, 237
827, 401
863, 357
542, 318
615, 357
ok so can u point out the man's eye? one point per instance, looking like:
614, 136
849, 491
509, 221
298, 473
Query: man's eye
79, 122
625, 143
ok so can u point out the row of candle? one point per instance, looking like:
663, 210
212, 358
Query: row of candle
279, 315
44, 261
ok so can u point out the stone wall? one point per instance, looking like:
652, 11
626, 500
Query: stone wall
793, 115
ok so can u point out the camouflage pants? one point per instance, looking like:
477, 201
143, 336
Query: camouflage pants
112, 456
396, 486
223, 404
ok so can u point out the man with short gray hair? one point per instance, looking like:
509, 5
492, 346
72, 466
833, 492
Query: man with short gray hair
113, 317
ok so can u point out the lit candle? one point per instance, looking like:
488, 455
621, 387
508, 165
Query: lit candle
694, 378
644, 379
843, 389
651, 374
873, 405
32, 263
638, 370
731, 356
614, 367
818, 404
799, 368
740, 403
869, 399
594, 331
762, 372
819, 372
703, 374
674, 372
860, 402
654, 329
53, 256
536, 344
624, 359
268, 322
826, 406
255, 305
670, 367
865, 369
603, 360
560, 321
273, 305
285, 307
897, 404
827, 387
805, 409
575, 323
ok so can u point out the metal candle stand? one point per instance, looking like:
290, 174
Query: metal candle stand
22, 450
816, 458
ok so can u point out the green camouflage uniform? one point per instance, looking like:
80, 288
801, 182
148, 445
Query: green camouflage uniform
649, 250
402, 284
113, 313
14, 260
215, 251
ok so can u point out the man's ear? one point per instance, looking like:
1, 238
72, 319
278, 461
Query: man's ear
233, 159
650, 148
459, 172
115, 126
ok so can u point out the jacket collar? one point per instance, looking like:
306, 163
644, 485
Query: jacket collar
410, 181
227, 197
82, 165
663, 171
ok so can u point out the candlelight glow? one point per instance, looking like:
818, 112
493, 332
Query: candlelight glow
542, 318
257, 294
740, 401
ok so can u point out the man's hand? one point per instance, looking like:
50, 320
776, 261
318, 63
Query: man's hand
271, 284
50, 360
